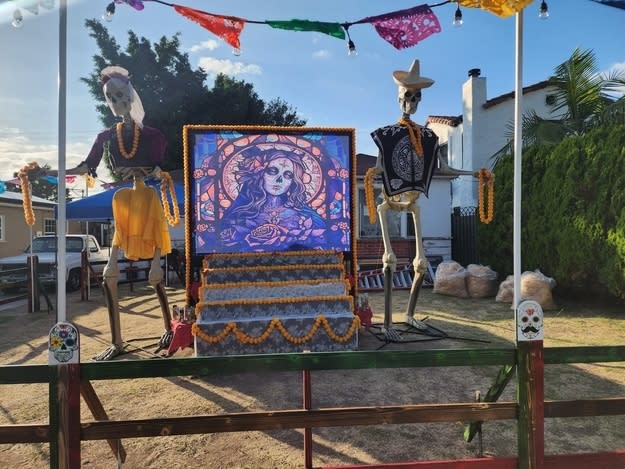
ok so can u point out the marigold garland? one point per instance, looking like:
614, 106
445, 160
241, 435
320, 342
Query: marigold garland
414, 130
486, 182
276, 323
369, 195
135, 140
168, 183
27, 202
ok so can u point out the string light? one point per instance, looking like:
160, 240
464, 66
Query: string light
351, 47
18, 19
110, 11
543, 11
457, 16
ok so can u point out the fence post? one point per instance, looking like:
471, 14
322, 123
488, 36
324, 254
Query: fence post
32, 273
531, 391
64, 396
84, 276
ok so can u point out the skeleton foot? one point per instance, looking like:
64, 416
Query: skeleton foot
165, 340
391, 335
412, 322
109, 353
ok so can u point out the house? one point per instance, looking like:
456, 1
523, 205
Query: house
472, 138
15, 233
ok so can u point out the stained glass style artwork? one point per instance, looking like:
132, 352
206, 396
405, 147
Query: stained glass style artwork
269, 189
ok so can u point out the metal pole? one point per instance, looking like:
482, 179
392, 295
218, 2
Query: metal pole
518, 154
61, 222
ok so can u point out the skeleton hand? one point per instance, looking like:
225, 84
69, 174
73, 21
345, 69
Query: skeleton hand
109, 353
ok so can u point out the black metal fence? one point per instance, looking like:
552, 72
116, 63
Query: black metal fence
464, 235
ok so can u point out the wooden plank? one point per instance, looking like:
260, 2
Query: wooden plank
595, 354
477, 463
531, 395
607, 460
68, 435
24, 374
296, 362
585, 407
299, 418
24, 433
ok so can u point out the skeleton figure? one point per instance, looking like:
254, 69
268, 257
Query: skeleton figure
408, 156
135, 151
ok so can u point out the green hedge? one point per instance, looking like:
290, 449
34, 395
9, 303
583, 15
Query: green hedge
573, 214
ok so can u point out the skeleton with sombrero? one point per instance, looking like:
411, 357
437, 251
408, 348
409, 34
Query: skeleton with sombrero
408, 156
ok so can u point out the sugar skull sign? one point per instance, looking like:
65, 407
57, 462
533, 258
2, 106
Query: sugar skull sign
63, 344
529, 321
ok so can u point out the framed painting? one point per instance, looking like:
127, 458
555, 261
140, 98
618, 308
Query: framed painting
267, 189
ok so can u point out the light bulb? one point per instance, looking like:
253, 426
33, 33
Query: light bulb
110, 11
351, 49
457, 17
18, 19
543, 11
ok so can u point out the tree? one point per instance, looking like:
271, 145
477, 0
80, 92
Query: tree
582, 95
173, 94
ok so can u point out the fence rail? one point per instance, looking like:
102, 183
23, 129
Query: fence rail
81, 374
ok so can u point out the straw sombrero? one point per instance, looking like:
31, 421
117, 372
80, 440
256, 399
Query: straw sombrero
412, 78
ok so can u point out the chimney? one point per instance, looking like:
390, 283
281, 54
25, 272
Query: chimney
475, 72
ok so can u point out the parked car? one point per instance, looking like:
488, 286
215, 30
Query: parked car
13, 274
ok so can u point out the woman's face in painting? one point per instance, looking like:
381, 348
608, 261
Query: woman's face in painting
278, 176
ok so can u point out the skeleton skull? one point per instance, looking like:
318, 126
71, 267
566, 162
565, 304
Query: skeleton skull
118, 96
408, 99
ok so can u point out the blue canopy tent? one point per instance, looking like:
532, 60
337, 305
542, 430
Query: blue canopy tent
99, 207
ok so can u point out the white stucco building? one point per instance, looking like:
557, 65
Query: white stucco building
482, 129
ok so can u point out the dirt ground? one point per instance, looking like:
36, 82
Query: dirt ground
468, 323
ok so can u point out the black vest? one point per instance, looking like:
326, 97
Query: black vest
403, 169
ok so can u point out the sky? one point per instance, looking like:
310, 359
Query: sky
310, 71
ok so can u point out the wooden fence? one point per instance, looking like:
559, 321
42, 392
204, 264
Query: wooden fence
68, 382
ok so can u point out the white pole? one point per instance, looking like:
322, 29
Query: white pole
518, 154
61, 264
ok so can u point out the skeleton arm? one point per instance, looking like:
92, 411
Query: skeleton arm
445, 169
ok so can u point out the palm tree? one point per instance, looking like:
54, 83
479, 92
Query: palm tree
583, 97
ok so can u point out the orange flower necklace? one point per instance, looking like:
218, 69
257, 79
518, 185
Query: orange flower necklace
168, 183
27, 201
135, 140
486, 182
414, 130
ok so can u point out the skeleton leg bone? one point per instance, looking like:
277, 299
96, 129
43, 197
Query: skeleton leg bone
389, 262
420, 267
109, 283
155, 278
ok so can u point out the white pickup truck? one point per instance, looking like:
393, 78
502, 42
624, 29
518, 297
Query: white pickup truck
44, 247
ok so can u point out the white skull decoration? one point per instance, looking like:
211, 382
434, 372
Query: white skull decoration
530, 320
408, 98
63, 343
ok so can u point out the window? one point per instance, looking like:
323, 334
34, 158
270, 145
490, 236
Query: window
49, 226
2, 237
367, 230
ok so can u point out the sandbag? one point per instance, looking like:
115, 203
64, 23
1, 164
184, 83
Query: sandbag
534, 286
481, 281
450, 279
